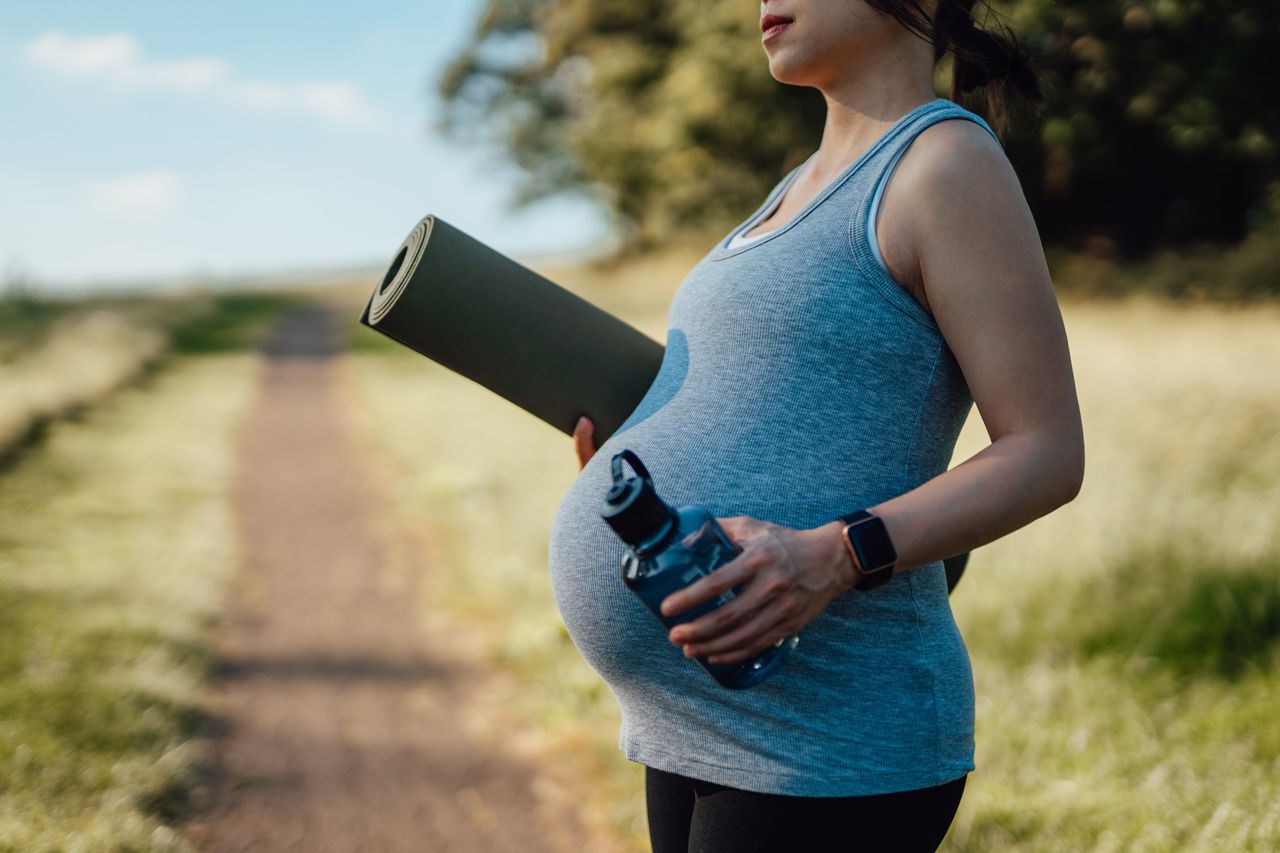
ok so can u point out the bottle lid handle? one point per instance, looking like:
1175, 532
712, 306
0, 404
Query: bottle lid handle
636, 465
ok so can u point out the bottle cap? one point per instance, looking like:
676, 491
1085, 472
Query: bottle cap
632, 506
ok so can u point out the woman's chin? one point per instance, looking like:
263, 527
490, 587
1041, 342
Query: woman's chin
787, 65
786, 73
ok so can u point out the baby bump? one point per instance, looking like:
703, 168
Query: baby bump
606, 621
612, 629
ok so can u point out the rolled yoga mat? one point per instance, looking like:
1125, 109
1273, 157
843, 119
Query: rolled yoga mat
479, 313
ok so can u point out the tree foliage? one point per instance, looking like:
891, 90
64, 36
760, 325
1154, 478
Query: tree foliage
1159, 129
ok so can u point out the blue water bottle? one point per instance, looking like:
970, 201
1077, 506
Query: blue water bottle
669, 549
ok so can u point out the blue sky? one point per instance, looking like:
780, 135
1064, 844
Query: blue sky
148, 139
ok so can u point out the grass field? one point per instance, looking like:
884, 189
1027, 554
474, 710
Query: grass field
114, 546
1125, 648
60, 356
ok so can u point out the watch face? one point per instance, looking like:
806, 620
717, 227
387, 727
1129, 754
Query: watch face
871, 542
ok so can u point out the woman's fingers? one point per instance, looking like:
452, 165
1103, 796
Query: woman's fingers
761, 582
582, 440
759, 631
738, 570
722, 628
764, 562
767, 607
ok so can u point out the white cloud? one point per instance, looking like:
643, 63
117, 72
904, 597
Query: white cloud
57, 52
117, 59
337, 102
139, 192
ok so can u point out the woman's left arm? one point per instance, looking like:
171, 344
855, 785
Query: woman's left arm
989, 290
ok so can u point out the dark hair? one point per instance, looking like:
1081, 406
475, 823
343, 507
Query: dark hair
993, 59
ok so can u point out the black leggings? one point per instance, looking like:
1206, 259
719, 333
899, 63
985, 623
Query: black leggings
691, 816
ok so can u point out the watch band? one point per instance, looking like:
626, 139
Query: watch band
869, 545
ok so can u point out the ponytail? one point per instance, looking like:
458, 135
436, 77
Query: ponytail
990, 59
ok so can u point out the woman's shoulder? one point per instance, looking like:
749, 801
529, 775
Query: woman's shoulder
938, 174
951, 168
954, 149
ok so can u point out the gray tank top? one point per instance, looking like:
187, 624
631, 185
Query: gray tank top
800, 382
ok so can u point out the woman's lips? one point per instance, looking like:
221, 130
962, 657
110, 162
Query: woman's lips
773, 31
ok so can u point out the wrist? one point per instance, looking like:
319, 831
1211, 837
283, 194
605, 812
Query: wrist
837, 556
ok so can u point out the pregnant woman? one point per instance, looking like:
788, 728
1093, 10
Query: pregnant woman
820, 362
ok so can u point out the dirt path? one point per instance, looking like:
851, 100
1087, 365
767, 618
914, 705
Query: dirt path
339, 730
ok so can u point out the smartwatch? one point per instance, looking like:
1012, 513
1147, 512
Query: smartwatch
868, 542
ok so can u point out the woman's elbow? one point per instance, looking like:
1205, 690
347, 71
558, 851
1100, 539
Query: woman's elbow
1069, 456
1058, 463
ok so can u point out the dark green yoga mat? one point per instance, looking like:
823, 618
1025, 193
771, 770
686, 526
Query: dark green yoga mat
481, 314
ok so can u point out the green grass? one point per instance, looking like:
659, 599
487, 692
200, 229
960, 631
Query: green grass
115, 547
234, 321
1208, 619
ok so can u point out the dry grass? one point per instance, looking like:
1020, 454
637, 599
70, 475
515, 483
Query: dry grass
59, 357
84, 357
116, 543
1124, 647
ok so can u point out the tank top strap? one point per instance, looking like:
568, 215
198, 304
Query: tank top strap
864, 202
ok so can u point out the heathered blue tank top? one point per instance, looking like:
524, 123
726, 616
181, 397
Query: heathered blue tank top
800, 382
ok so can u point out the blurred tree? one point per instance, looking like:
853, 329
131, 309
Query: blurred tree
1159, 129
665, 112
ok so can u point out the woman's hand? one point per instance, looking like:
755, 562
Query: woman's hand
788, 577
583, 442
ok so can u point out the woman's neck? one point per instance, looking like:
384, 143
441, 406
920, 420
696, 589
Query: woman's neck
868, 98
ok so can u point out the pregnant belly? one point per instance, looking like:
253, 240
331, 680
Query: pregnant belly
609, 625
845, 649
